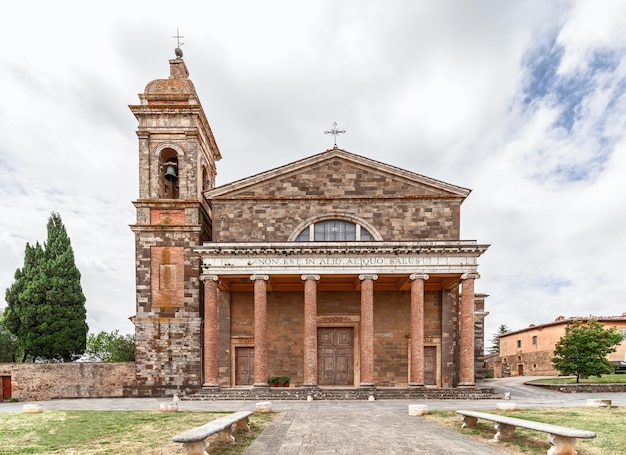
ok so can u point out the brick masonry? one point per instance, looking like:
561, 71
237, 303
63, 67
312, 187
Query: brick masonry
399, 211
47, 381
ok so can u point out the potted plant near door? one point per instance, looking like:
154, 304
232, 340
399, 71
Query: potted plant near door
284, 381
274, 381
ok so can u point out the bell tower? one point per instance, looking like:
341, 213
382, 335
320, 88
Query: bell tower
177, 155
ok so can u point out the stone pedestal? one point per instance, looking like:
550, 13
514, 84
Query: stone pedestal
32, 408
418, 409
599, 403
168, 407
506, 406
264, 407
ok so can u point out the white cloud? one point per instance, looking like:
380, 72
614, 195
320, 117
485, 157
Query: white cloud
523, 102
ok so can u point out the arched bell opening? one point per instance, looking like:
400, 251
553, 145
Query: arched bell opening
206, 184
169, 174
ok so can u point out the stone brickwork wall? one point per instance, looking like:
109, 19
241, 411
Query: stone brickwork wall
47, 381
392, 326
398, 210
168, 356
168, 319
532, 364
449, 337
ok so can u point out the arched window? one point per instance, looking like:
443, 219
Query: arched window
334, 231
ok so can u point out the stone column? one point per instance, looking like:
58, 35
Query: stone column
211, 351
466, 358
260, 330
310, 330
416, 376
367, 330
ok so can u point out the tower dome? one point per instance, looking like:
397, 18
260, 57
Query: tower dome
177, 85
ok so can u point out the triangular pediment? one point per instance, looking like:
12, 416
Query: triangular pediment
337, 173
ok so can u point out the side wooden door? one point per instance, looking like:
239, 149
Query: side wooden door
244, 365
5, 385
430, 365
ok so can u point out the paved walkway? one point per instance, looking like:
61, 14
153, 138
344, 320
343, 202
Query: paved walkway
352, 427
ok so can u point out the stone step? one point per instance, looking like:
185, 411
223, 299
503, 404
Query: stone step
296, 393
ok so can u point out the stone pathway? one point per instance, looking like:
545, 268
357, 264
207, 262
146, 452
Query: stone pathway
360, 428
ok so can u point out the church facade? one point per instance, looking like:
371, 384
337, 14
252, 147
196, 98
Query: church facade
333, 270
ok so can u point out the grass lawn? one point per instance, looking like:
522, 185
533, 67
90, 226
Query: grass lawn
607, 423
604, 379
112, 432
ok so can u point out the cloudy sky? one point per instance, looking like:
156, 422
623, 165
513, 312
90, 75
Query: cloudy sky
524, 102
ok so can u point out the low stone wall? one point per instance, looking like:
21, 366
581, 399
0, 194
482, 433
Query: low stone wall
46, 381
583, 388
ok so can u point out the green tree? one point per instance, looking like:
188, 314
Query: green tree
110, 347
9, 347
45, 304
583, 349
495, 339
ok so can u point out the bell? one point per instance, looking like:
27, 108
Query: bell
170, 174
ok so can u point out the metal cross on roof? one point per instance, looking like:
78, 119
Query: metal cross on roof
335, 132
178, 52
178, 36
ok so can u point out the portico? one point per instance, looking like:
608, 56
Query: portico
407, 269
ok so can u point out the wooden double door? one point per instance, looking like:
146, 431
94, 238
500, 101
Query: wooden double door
335, 356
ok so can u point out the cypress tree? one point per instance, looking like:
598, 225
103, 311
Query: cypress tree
46, 305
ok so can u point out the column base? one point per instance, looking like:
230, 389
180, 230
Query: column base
212, 387
261, 386
310, 386
466, 384
367, 385
415, 385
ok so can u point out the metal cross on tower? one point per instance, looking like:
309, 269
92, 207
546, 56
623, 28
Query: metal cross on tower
178, 51
335, 132
178, 36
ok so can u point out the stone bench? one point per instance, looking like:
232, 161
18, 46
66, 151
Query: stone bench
195, 441
561, 438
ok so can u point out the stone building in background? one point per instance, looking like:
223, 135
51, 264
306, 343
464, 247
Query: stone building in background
530, 351
333, 270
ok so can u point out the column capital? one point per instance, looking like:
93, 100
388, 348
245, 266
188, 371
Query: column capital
209, 278
418, 276
470, 276
368, 276
257, 276
310, 277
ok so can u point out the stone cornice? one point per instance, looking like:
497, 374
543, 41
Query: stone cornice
461, 247
357, 160
165, 228
167, 203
